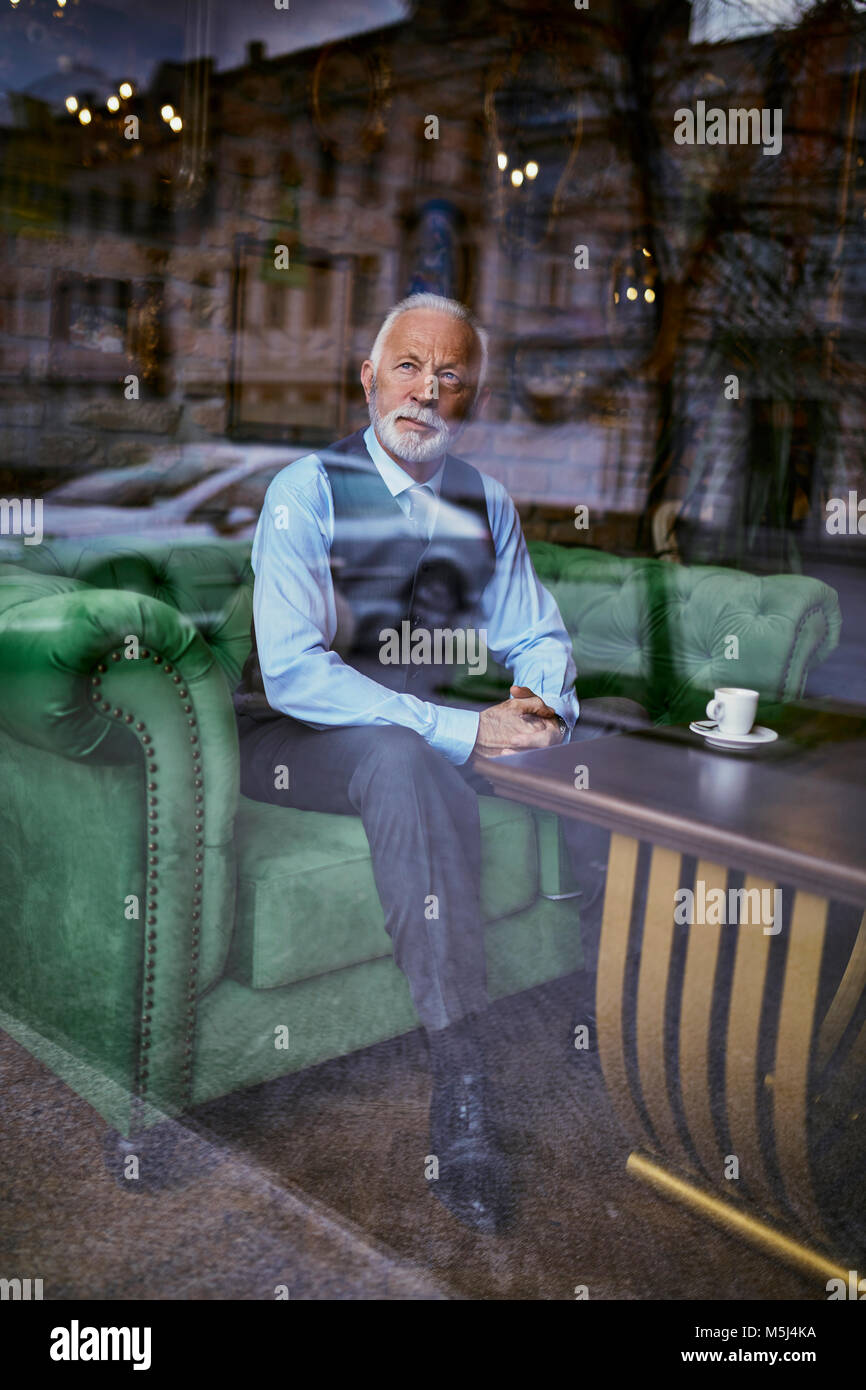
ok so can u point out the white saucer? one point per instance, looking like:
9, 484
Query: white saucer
713, 735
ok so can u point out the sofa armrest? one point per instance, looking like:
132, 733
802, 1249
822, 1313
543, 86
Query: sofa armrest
112, 677
815, 636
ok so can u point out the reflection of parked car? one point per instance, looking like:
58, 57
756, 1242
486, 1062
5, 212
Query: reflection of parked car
205, 492
166, 473
169, 499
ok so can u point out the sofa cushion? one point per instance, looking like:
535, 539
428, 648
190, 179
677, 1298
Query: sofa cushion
307, 900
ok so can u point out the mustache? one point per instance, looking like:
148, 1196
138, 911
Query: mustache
423, 414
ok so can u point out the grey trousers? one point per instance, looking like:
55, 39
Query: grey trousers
421, 817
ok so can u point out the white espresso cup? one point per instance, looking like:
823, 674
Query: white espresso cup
733, 709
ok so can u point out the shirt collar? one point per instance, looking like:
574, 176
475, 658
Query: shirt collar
395, 478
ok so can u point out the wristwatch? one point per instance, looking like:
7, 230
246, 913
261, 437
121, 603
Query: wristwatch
563, 727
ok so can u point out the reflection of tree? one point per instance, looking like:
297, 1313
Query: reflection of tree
756, 251
544, 102
756, 315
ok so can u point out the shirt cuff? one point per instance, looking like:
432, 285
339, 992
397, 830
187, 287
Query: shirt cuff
455, 732
566, 706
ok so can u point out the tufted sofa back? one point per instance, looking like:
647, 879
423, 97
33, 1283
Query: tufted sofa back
667, 635
659, 633
211, 584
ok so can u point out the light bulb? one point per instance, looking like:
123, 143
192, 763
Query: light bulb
517, 177
84, 116
631, 292
72, 105
125, 90
166, 112
531, 170
649, 296
176, 123
502, 160
113, 103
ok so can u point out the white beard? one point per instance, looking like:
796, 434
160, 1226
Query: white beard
412, 447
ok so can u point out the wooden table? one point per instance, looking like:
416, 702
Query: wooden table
734, 1054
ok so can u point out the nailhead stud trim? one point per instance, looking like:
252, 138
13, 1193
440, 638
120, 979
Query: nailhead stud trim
149, 751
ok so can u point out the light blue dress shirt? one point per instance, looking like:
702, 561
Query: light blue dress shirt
296, 620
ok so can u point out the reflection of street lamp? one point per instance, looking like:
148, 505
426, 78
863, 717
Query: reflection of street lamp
649, 296
631, 292
84, 116
176, 123
166, 112
517, 177
72, 105
113, 103
125, 90
531, 169
502, 161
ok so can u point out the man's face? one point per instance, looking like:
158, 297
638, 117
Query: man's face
425, 387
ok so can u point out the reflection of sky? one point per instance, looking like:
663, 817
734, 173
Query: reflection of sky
717, 21
41, 45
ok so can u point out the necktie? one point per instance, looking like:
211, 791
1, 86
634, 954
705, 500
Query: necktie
422, 507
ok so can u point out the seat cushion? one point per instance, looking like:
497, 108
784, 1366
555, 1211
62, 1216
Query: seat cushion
307, 900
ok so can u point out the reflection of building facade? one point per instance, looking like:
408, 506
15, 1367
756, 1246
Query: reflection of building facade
158, 256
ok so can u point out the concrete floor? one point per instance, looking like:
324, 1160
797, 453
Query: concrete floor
354, 1133
224, 1229
316, 1181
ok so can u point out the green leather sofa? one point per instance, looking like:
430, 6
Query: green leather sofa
165, 940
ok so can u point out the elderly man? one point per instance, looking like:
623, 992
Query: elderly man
389, 531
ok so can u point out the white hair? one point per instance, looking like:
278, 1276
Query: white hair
452, 307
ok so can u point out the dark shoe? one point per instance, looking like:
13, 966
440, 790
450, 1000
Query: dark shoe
473, 1180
